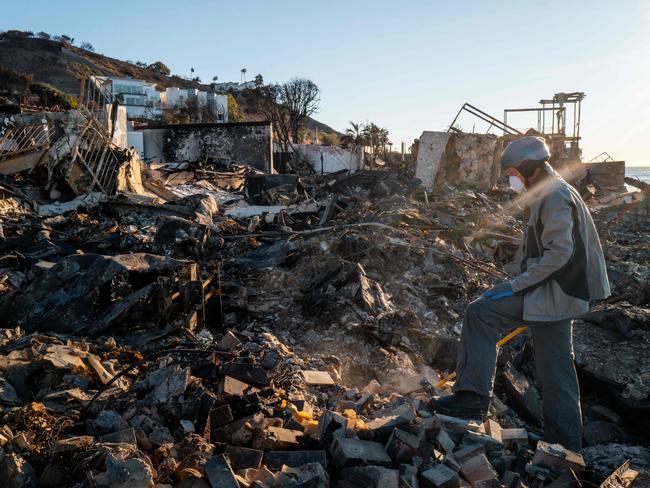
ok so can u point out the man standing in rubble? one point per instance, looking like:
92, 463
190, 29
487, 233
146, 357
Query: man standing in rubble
562, 269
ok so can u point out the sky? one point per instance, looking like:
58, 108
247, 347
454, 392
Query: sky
407, 66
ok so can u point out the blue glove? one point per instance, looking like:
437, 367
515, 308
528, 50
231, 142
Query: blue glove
500, 291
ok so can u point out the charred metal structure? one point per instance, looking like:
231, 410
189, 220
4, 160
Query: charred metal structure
558, 121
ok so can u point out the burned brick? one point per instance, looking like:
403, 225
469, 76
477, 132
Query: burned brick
493, 429
220, 415
353, 452
331, 426
477, 468
278, 438
493, 447
380, 428
444, 441
514, 437
402, 446
274, 460
243, 458
219, 473
440, 476
370, 477
490, 483
511, 479
557, 458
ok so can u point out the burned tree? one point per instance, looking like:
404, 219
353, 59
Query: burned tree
300, 98
286, 106
267, 103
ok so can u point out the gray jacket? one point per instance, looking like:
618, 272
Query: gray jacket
562, 267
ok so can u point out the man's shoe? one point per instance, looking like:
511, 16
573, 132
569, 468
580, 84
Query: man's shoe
462, 404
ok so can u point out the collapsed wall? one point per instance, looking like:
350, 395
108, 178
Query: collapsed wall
235, 142
469, 160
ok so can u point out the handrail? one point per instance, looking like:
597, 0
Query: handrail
493, 121
606, 156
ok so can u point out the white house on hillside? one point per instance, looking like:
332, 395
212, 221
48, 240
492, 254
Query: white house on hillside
234, 86
143, 101
174, 97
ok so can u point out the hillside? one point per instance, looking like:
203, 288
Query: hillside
63, 65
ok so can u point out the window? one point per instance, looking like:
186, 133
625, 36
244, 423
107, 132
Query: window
123, 88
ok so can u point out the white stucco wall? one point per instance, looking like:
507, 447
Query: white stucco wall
329, 159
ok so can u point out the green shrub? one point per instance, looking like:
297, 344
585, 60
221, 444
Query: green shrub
51, 95
234, 115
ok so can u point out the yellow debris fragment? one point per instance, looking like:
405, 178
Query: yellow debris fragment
349, 413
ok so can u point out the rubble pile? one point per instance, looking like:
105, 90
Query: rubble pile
217, 327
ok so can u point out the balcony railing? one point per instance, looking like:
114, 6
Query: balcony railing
24, 139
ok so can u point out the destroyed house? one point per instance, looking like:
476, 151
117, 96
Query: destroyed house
233, 142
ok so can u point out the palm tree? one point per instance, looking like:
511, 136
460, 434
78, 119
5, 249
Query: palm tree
243, 75
353, 135
215, 78
375, 136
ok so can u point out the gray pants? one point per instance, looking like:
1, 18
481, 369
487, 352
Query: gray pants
487, 321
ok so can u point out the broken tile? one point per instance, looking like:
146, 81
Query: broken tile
317, 378
232, 386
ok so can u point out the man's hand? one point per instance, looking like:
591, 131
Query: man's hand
500, 291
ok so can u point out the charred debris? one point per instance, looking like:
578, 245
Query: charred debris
205, 324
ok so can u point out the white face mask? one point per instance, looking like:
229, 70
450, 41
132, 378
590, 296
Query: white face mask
516, 184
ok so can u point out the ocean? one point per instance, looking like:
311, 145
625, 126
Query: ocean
640, 172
